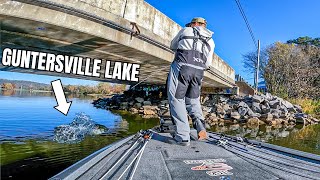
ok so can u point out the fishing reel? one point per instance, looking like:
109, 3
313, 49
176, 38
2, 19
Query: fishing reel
145, 134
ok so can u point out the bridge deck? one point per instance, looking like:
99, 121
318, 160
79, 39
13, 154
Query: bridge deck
88, 30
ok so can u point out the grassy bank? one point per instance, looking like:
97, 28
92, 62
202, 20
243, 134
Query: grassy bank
309, 106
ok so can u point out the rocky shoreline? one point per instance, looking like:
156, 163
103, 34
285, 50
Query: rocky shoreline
254, 110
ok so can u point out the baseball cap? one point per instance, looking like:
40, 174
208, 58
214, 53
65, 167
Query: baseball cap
197, 19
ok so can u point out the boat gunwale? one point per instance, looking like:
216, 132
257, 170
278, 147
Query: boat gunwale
77, 169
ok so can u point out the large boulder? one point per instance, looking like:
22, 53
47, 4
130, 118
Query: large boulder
275, 113
269, 97
257, 99
284, 114
266, 117
248, 98
242, 104
223, 99
237, 98
251, 113
298, 108
220, 109
264, 108
235, 115
283, 108
149, 112
274, 104
255, 121
226, 107
123, 105
301, 118
206, 109
242, 111
256, 107
147, 103
139, 99
137, 105
133, 110
287, 104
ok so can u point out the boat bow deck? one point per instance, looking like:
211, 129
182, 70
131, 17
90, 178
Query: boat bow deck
200, 160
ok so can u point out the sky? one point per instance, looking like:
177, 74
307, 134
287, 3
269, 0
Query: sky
270, 21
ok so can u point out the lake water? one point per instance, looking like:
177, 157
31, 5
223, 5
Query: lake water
27, 122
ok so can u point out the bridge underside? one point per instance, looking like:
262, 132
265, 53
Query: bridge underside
33, 34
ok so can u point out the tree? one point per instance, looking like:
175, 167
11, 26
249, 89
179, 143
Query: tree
293, 70
250, 62
306, 40
71, 88
8, 86
119, 88
104, 88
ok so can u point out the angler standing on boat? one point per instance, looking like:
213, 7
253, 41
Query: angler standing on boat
193, 48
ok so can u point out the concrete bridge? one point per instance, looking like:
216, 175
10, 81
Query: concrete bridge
118, 30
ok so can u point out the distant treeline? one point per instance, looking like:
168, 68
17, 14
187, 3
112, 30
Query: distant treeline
101, 88
26, 85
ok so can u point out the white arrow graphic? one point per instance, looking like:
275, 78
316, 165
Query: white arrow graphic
63, 106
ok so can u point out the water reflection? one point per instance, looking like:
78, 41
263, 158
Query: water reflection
304, 138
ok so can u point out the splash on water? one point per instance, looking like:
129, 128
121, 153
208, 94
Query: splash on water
81, 126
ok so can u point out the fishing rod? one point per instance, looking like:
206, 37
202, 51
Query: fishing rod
165, 67
146, 137
129, 150
153, 73
143, 137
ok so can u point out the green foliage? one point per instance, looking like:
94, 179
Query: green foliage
306, 40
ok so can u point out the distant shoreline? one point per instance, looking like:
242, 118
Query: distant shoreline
38, 90
32, 90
